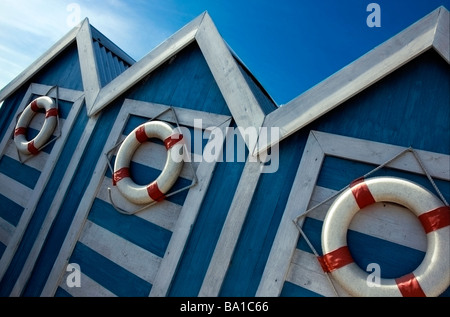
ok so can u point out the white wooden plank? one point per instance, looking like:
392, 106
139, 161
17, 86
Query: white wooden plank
305, 271
287, 234
146, 65
242, 103
204, 174
88, 288
354, 78
12, 124
131, 257
185, 117
442, 39
89, 70
40, 186
15, 191
229, 235
379, 153
36, 162
60, 93
163, 214
183, 226
38, 121
6, 231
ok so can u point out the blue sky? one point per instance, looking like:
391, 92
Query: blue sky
289, 45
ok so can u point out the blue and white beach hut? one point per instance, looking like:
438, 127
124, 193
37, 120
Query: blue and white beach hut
248, 214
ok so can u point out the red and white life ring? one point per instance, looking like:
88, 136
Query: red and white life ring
51, 113
430, 278
156, 190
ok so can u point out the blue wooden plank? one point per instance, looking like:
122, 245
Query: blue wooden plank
407, 108
9, 108
259, 229
395, 260
61, 293
291, 290
313, 230
10, 211
108, 274
132, 228
172, 82
2, 249
22, 173
63, 71
32, 133
336, 173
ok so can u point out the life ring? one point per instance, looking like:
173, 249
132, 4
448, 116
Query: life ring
430, 278
51, 112
157, 189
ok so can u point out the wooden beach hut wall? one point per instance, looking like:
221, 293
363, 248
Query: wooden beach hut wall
192, 75
235, 227
34, 189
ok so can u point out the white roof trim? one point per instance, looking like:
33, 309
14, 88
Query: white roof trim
146, 65
432, 31
82, 34
40, 63
89, 70
240, 99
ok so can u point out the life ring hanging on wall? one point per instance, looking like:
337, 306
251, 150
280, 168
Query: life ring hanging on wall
430, 278
33, 146
157, 189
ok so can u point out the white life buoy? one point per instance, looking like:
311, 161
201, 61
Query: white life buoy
430, 278
156, 190
51, 113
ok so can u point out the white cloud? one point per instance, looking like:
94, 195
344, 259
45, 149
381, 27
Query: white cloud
28, 28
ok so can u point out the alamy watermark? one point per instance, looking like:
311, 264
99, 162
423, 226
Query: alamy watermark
374, 18
241, 144
374, 278
74, 15
73, 279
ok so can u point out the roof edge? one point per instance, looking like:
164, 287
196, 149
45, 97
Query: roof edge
428, 32
146, 65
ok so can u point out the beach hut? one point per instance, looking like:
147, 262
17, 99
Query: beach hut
178, 175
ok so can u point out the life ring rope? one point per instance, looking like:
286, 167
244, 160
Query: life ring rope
432, 276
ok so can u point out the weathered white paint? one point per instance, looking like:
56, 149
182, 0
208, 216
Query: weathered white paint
383, 223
